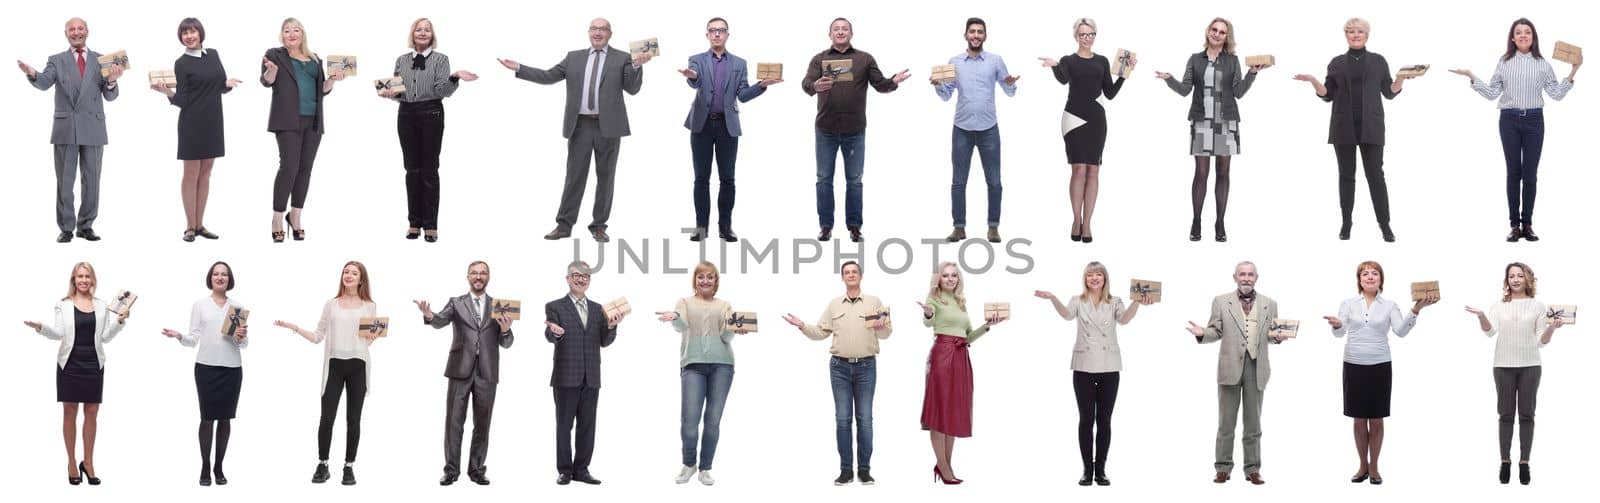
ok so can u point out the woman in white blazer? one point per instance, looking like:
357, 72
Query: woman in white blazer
83, 324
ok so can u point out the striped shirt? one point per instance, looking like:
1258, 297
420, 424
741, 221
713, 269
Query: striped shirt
1517, 82
1369, 326
1520, 324
432, 82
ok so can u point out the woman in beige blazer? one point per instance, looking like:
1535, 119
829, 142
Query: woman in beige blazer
83, 324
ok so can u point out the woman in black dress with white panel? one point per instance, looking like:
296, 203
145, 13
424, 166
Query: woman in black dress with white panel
201, 82
1087, 76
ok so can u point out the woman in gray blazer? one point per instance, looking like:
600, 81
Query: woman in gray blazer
83, 324
1213, 74
1096, 363
295, 75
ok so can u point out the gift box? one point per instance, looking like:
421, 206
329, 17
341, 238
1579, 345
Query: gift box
769, 71
618, 308
646, 46
346, 63
236, 317
1262, 60
743, 320
1567, 312
123, 301
119, 58
1411, 72
1000, 310
944, 74
1138, 288
1422, 289
1279, 327
882, 314
511, 309
842, 70
1567, 53
394, 84
1122, 64
374, 326
164, 77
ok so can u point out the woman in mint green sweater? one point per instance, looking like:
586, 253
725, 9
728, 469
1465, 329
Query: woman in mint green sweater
947, 395
706, 369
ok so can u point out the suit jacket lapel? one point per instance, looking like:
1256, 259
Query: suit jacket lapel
1237, 311
488, 312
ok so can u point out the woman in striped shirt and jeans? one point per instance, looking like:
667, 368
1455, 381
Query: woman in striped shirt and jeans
1523, 327
1519, 77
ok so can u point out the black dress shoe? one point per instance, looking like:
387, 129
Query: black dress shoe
188, 237
478, 478
1100, 479
586, 478
558, 233
726, 233
447, 479
845, 477
205, 476
855, 234
564, 479
64, 237
826, 234
1527, 233
202, 232
1505, 472
1522, 474
698, 235
349, 478
956, 235
1362, 477
431, 238
1515, 235
88, 234
413, 234
599, 235
866, 477
1344, 235
321, 475
222, 480
1388, 235
1376, 481
1087, 479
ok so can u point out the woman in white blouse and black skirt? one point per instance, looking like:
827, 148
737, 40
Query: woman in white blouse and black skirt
218, 371
1368, 376
1518, 79
428, 81
1523, 326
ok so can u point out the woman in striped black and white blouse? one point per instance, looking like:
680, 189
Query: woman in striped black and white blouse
1523, 327
1518, 79
428, 81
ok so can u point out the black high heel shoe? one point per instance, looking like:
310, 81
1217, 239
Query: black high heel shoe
1344, 235
1359, 478
431, 236
93, 480
1222, 233
298, 232
205, 476
1194, 230
1077, 232
413, 234
75, 480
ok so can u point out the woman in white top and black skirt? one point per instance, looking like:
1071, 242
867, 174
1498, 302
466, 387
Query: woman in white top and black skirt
83, 325
1368, 375
1523, 325
349, 364
218, 367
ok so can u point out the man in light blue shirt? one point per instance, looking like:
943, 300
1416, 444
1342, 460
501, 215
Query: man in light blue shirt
977, 73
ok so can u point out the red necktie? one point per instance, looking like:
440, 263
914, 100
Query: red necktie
80, 63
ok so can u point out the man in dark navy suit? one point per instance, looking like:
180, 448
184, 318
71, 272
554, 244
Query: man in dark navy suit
579, 327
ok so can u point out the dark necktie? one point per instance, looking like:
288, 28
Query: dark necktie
594, 83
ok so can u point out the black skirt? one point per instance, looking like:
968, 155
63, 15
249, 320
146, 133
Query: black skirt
218, 388
1367, 389
80, 383
1087, 143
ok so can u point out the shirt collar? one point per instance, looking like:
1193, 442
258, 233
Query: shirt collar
967, 55
195, 53
847, 50
425, 52
849, 300
575, 300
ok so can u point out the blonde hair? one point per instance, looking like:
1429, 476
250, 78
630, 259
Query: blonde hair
411, 35
935, 293
305, 42
1528, 286
1105, 291
706, 267
1227, 42
1083, 21
1356, 21
72, 284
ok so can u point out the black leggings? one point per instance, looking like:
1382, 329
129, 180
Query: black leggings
1097, 394
351, 376
297, 151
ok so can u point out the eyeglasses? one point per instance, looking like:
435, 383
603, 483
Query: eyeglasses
1088, 35
717, 30
601, 29
578, 275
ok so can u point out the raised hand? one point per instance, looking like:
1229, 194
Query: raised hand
1196, 330
36, 326
1163, 75
1474, 310
172, 333
1333, 321
422, 305
1305, 77
902, 76
504, 320
285, 324
555, 329
465, 75
1011, 80
509, 64
27, 70
114, 74
792, 320
1048, 62
232, 83
927, 310
823, 84
272, 68
689, 73
667, 315
1044, 295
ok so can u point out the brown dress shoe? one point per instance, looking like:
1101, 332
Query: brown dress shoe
957, 235
600, 235
1221, 477
826, 234
855, 234
994, 234
558, 233
1255, 478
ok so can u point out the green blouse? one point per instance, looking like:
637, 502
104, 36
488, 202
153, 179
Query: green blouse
950, 319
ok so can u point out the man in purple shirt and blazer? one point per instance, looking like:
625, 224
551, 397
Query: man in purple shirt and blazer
713, 124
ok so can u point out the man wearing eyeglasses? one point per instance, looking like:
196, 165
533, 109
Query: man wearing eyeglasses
473, 368
596, 120
714, 125
579, 327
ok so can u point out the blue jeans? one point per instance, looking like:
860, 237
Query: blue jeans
961, 144
1522, 137
853, 386
854, 148
713, 142
705, 387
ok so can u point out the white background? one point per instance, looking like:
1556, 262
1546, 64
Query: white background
503, 160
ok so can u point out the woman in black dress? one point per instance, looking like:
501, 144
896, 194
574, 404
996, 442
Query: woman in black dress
1087, 76
201, 82
83, 324
1356, 80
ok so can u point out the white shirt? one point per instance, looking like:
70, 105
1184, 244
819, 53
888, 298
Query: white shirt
205, 331
1369, 326
1520, 324
584, 106
340, 329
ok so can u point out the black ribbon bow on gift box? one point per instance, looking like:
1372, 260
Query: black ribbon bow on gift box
1274, 326
1558, 313
874, 317
376, 327
739, 321
500, 309
647, 46
235, 320
1145, 289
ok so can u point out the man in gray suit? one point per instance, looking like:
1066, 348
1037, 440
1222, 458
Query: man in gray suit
79, 130
473, 369
1240, 320
713, 124
596, 120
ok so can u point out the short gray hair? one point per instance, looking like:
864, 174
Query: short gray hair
1356, 21
579, 266
1243, 263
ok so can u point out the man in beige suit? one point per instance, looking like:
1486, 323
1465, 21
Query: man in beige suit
1240, 320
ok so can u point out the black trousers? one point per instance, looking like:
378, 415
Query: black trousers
1372, 166
421, 128
297, 150
574, 404
713, 142
350, 375
1097, 395
481, 392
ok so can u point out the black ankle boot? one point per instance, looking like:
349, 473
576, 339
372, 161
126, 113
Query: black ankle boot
1505, 472
1522, 473
1088, 476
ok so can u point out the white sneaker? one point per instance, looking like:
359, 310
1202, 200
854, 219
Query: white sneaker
705, 478
685, 474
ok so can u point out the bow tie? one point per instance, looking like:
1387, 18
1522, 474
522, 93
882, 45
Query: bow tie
1250, 297
419, 62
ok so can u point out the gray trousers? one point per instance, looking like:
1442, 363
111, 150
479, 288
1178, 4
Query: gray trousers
1518, 391
1229, 400
481, 392
587, 141
69, 160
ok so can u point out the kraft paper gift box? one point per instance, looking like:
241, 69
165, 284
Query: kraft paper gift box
882, 314
1264, 60
512, 309
123, 300
378, 325
236, 317
346, 63
743, 320
1138, 288
119, 58
646, 46
1567, 312
944, 74
769, 71
1122, 64
1285, 328
1567, 53
1002, 310
164, 77
618, 308
842, 70
396, 84
1422, 289
1412, 71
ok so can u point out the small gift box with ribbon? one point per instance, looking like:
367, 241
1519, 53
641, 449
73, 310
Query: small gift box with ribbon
1122, 64
166, 78
1279, 327
375, 326
646, 46
124, 300
1567, 53
842, 70
511, 309
743, 320
944, 74
769, 71
1412, 71
346, 63
1262, 60
119, 58
1567, 312
882, 314
998, 310
1139, 288
1422, 289
396, 85
618, 308
236, 317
